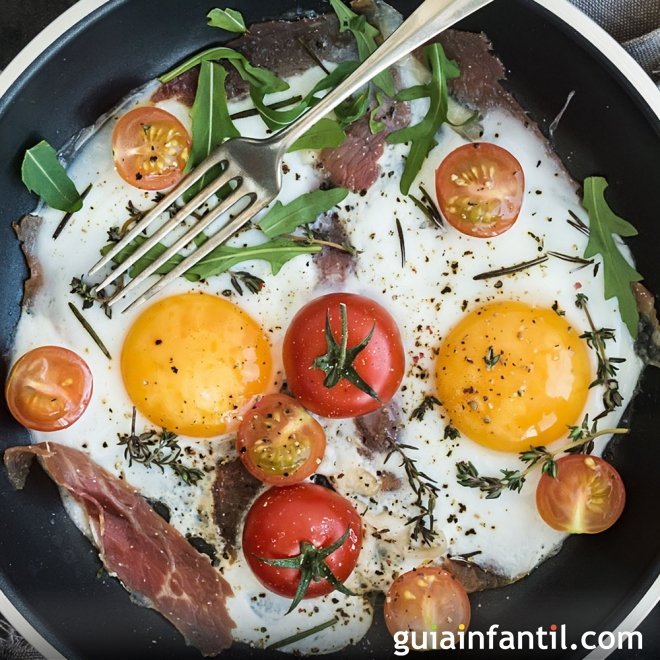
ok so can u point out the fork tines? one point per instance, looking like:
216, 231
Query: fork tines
229, 175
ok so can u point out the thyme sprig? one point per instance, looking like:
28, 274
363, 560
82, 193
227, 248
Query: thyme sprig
425, 406
606, 368
90, 295
581, 441
426, 490
491, 358
157, 448
251, 282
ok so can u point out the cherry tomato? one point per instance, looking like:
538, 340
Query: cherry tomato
480, 189
586, 497
379, 365
287, 521
279, 442
426, 599
150, 148
48, 388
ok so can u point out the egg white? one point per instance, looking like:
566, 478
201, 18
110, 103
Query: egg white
427, 296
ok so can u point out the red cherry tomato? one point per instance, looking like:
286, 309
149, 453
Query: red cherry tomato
279, 442
586, 497
480, 189
380, 364
283, 520
427, 599
48, 388
150, 148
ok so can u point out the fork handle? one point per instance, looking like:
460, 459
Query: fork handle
428, 20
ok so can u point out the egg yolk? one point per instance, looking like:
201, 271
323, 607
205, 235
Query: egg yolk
510, 376
193, 363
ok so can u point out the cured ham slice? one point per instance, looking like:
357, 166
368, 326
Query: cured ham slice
150, 557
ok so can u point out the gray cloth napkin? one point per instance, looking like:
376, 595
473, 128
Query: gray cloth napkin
634, 23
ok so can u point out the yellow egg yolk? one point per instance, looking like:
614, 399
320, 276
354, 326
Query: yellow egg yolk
510, 376
193, 363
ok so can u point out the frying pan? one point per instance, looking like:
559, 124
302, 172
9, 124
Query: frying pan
102, 50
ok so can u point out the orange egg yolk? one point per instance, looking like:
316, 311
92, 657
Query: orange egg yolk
193, 364
510, 376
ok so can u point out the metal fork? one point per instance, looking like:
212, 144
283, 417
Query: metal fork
253, 167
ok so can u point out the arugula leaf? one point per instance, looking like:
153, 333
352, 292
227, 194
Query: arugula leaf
211, 123
283, 219
43, 174
276, 252
365, 36
227, 19
258, 77
376, 125
422, 135
279, 119
353, 108
618, 273
325, 133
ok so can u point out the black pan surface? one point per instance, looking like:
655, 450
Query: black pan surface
49, 571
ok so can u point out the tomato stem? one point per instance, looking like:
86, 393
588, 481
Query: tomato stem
338, 362
311, 564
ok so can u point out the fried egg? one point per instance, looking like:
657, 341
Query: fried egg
504, 356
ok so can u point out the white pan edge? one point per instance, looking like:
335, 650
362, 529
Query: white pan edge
567, 12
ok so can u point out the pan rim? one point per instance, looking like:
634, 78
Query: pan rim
648, 94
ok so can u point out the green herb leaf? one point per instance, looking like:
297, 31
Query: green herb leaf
227, 19
325, 133
365, 36
283, 219
279, 119
211, 123
276, 252
423, 135
255, 76
618, 273
44, 175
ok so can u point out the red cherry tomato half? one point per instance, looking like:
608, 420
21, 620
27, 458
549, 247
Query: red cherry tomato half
586, 497
480, 189
282, 519
427, 599
380, 364
150, 148
48, 388
279, 442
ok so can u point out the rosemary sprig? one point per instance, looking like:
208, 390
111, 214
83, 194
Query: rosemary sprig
524, 265
425, 489
509, 270
92, 333
90, 295
581, 440
607, 366
303, 634
65, 220
251, 282
402, 242
425, 406
428, 207
160, 449
576, 223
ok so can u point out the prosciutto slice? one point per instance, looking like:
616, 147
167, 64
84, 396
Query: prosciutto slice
151, 558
